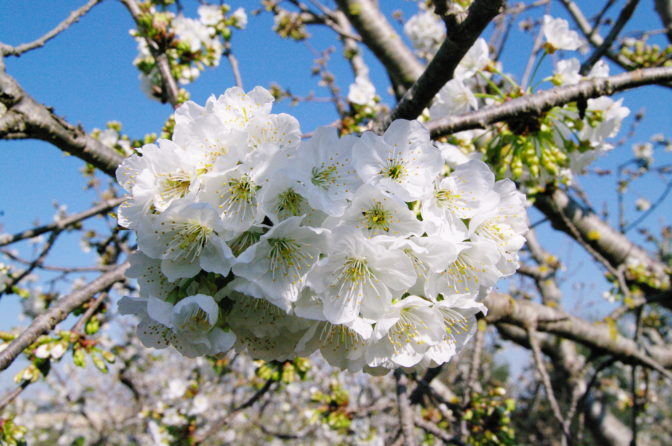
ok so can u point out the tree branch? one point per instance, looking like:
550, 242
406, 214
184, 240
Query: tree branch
172, 91
25, 118
8, 50
382, 40
442, 67
538, 103
405, 413
598, 337
64, 223
613, 246
58, 312
623, 18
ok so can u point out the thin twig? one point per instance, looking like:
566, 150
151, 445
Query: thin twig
435, 430
34, 264
7, 50
633, 382
623, 18
546, 380
13, 394
63, 223
405, 412
93, 306
217, 425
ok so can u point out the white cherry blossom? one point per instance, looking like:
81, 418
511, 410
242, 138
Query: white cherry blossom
558, 35
403, 161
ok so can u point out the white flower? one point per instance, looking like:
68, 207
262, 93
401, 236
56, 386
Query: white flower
454, 98
240, 18
189, 325
359, 274
567, 72
192, 32
148, 273
163, 174
643, 152
234, 194
279, 262
235, 108
430, 254
426, 32
558, 35
404, 334
642, 204
469, 189
176, 388
281, 199
475, 267
362, 92
600, 69
322, 169
264, 329
403, 161
459, 317
476, 59
210, 14
187, 237
201, 403
611, 115
342, 345
374, 212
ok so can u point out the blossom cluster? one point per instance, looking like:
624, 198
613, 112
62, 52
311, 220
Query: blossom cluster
366, 248
191, 43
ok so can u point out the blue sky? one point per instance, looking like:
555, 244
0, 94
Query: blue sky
87, 75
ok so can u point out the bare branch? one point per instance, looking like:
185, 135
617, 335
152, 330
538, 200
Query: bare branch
7, 50
58, 312
596, 336
64, 223
546, 380
613, 246
623, 18
538, 103
435, 430
593, 37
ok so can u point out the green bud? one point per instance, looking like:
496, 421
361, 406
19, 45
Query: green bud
99, 363
79, 358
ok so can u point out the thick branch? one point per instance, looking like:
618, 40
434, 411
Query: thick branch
7, 50
383, 40
58, 312
442, 67
613, 246
598, 337
538, 103
25, 118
